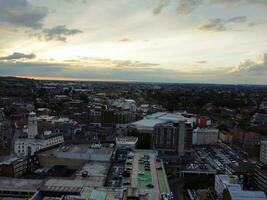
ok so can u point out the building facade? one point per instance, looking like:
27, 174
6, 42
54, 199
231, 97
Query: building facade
28, 146
13, 167
171, 138
203, 136
263, 152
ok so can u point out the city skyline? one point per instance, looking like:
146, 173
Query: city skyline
200, 41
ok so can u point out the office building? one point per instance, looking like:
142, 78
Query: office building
202, 136
170, 138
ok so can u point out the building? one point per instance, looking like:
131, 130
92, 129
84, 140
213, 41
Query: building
28, 143
260, 172
14, 188
203, 121
236, 194
260, 177
27, 146
148, 123
108, 118
263, 152
226, 137
123, 118
170, 138
260, 119
74, 156
32, 125
228, 187
222, 182
203, 136
13, 166
125, 104
6, 136
126, 142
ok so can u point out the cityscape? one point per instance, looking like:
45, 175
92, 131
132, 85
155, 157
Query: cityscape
133, 100
102, 140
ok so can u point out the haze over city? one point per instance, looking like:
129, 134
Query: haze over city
199, 41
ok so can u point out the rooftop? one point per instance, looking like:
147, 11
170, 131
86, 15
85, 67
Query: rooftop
14, 184
126, 140
160, 117
247, 195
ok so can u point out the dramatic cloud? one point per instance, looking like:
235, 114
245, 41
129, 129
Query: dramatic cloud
257, 66
187, 6
18, 56
222, 24
22, 13
162, 4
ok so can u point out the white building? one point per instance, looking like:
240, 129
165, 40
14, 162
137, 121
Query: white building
205, 136
148, 123
126, 142
263, 152
34, 142
125, 104
28, 146
32, 125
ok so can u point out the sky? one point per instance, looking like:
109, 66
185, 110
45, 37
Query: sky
183, 41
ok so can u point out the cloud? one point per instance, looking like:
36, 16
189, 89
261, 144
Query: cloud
59, 33
241, 2
18, 56
201, 61
22, 13
222, 24
257, 66
163, 3
257, 22
124, 40
187, 6
76, 1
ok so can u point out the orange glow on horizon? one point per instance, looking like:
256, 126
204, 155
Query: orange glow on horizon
49, 78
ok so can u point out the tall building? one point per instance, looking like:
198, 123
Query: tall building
6, 136
260, 173
32, 125
263, 152
171, 138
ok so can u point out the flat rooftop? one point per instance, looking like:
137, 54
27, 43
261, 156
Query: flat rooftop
14, 184
126, 140
155, 176
149, 121
82, 151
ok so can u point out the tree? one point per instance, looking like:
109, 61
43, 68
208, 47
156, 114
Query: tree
144, 139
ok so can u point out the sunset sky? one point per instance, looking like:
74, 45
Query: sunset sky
199, 41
